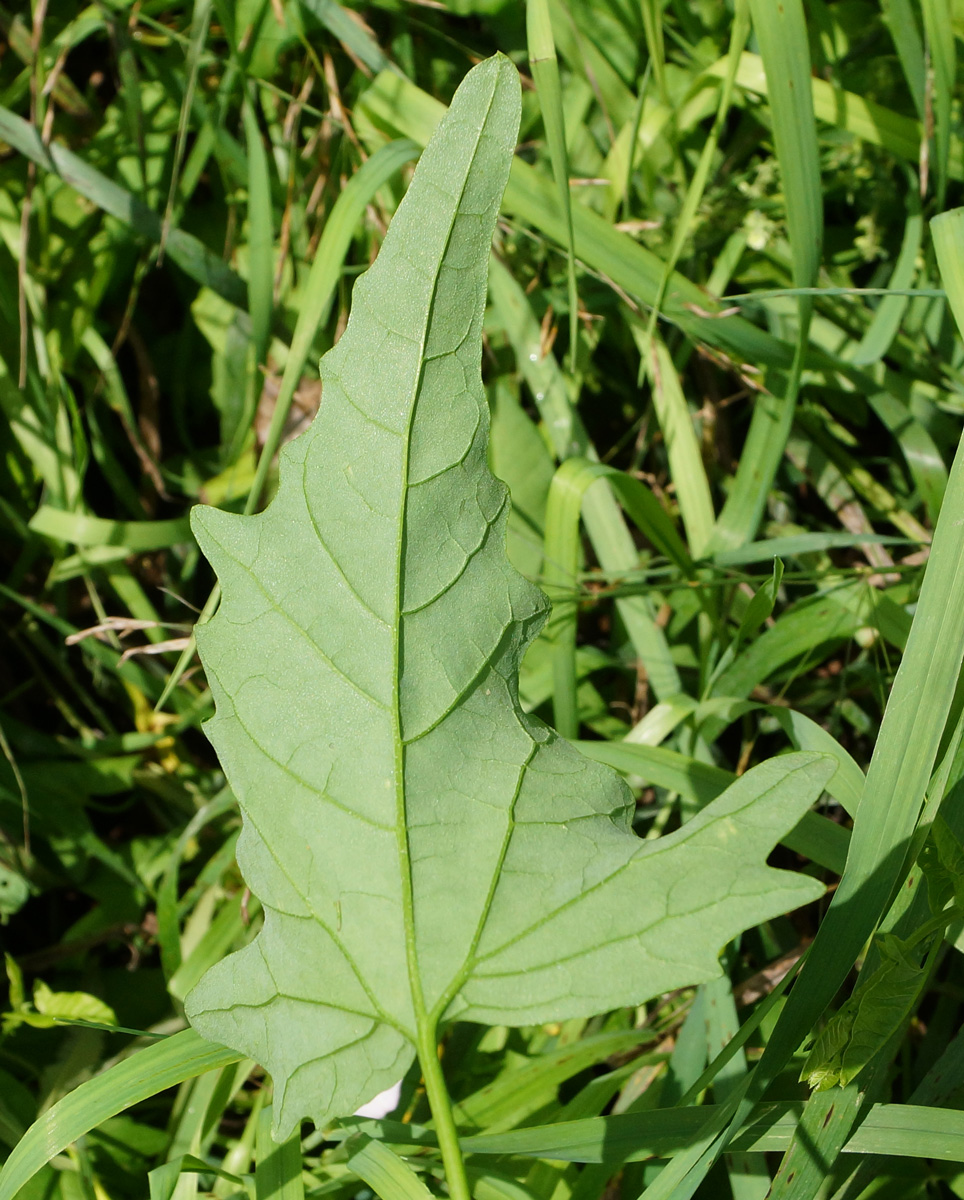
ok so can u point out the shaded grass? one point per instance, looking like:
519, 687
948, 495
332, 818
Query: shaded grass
189, 193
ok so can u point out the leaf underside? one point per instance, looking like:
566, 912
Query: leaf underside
423, 849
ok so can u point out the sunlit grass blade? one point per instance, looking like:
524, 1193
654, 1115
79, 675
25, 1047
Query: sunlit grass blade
577, 38
260, 258
144, 1074
320, 288
399, 105
134, 537
782, 36
798, 543
947, 231
200, 21
748, 1175
538, 367
883, 329
652, 13
941, 48
389, 1176
524, 1089
163, 1181
876, 123
904, 1130
545, 74
694, 193
781, 33
804, 629
682, 447
277, 1174
899, 17
921, 454
568, 498
818, 1140
351, 33
604, 522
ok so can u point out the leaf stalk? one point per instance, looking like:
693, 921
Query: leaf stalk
441, 1105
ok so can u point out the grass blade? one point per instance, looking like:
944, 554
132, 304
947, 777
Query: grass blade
397, 104
883, 329
260, 250
351, 33
385, 1173
200, 21
144, 1074
322, 282
899, 18
569, 496
545, 73
941, 47
904, 1130
682, 447
277, 1174
134, 537
782, 35
824, 1126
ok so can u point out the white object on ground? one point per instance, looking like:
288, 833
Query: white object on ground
384, 1103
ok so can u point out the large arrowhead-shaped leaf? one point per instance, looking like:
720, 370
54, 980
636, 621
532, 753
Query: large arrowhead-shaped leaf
422, 849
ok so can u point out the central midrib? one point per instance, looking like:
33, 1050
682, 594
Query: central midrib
422, 1019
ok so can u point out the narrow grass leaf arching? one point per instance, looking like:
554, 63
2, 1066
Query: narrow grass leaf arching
423, 850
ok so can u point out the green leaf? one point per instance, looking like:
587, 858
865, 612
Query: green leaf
70, 1006
422, 848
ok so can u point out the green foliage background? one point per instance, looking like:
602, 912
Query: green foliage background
186, 196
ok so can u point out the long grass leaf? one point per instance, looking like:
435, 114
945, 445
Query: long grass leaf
682, 447
545, 74
200, 21
903, 1130
144, 1074
605, 524
899, 18
874, 123
567, 499
941, 47
260, 236
883, 329
277, 1174
389, 1176
782, 35
356, 39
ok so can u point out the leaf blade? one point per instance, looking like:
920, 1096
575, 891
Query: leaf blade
364, 665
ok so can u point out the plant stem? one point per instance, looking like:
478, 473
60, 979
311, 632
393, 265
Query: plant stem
441, 1105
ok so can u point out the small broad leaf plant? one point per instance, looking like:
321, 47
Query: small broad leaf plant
424, 850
